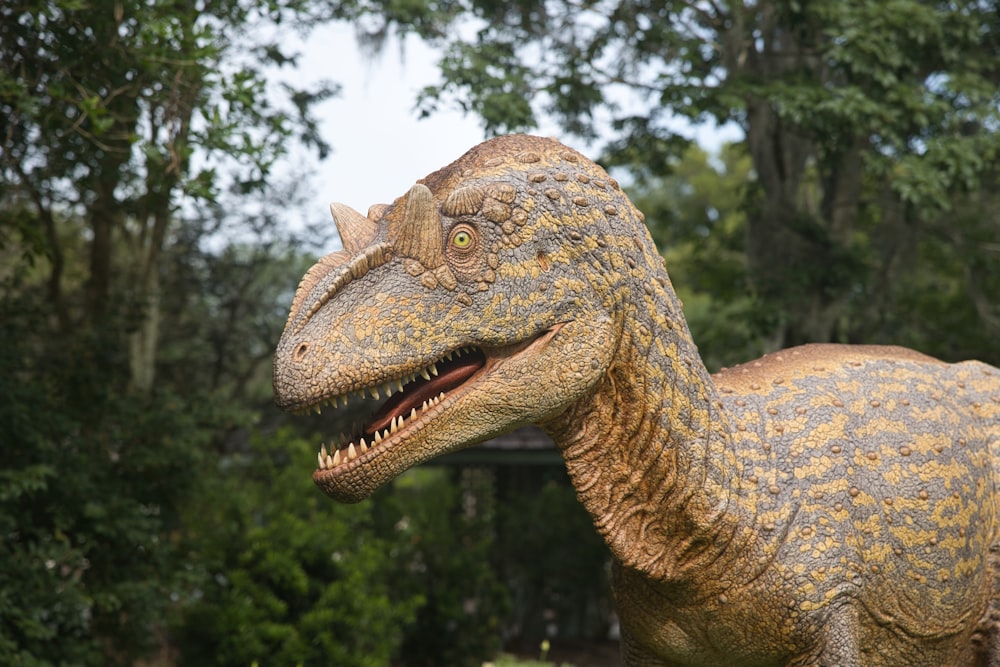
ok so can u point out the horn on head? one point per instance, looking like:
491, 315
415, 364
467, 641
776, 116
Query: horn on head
417, 234
356, 231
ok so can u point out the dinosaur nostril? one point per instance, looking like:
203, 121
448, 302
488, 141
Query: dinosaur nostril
300, 351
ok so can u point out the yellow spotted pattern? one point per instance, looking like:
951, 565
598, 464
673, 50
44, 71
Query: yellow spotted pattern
824, 505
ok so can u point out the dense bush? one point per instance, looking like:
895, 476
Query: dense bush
91, 481
292, 578
554, 562
448, 540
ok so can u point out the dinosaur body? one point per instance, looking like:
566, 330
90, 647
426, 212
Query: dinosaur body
825, 505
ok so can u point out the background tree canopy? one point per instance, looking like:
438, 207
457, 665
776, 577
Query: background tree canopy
154, 505
871, 127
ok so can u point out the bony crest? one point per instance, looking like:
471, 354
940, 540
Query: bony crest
356, 231
417, 232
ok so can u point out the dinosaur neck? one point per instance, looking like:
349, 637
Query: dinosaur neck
649, 450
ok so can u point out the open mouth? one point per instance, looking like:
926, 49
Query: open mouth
403, 401
394, 412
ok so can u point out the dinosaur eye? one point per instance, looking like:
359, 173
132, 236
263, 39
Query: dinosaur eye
462, 238
464, 251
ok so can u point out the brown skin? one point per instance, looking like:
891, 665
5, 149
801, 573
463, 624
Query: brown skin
825, 505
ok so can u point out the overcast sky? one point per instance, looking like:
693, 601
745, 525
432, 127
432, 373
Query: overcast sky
380, 148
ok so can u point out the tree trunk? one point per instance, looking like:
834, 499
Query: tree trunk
143, 341
798, 235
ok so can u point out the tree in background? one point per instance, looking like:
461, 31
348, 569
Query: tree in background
148, 494
102, 107
867, 123
151, 503
696, 214
290, 578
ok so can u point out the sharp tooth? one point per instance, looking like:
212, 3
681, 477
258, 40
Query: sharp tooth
424, 406
392, 426
434, 369
317, 409
385, 434
448, 356
388, 388
399, 385
320, 457
351, 452
441, 396
364, 447
413, 413
323, 451
424, 374
335, 460
329, 462
458, 352
378, 438
374, 392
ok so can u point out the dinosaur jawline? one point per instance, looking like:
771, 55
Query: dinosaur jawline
450, 375
417, 396
415, 402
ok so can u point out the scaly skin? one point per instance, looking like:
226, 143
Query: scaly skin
825, 505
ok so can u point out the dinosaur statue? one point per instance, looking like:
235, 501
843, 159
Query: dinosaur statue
824, 505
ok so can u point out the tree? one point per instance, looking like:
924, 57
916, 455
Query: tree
102, 108
833, 97
92, 481
291, 578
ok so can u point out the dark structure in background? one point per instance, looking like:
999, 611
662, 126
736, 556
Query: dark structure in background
548, 551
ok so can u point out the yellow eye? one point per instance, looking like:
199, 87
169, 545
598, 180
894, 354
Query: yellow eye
461, 239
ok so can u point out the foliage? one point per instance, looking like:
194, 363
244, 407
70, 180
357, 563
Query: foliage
226, 303
145, 274
292, 578
833, 97
92, 480
448, 540
554, 562
696, 216
101, 110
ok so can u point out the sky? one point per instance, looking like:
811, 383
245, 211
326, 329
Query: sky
380, 146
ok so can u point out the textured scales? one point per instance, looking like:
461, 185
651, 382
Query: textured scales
825, 505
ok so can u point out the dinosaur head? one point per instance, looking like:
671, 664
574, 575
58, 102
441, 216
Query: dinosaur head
472, 305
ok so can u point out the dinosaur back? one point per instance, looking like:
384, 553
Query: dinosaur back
876, 467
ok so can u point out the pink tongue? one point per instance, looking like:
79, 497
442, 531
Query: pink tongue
449, 377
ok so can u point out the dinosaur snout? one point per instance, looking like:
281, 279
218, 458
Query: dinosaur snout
294, 374
301, 351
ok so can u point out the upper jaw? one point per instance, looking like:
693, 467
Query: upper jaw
395, 439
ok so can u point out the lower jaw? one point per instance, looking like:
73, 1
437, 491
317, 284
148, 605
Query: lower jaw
399, 410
